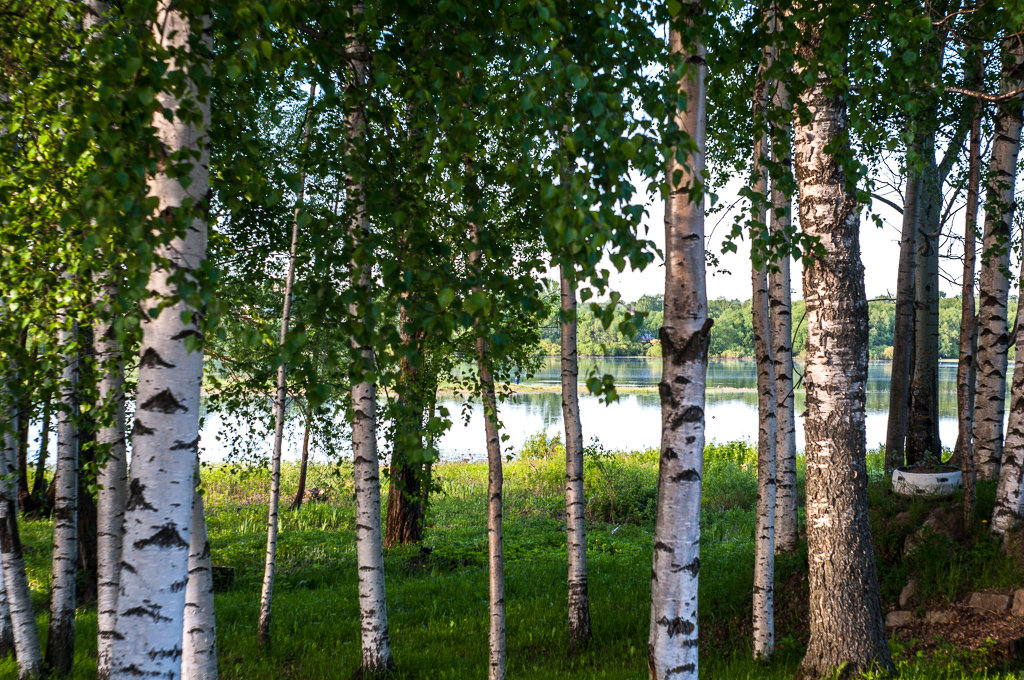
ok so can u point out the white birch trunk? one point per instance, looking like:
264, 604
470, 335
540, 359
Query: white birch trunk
112, 481
672, 643
199, 639
1009, 504
993, 287
781, 305
280, 402
575, 504
158, 517
764, 532
60, 648
6, 627
497, 649
373, 615
999, 215
846, 626
19, 595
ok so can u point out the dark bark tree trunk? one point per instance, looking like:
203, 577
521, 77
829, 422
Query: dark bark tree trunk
923, 428
899, 385
405, 511
966, 367
39, 480
846, 626
300, 493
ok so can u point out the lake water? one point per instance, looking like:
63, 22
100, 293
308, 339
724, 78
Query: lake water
632, 422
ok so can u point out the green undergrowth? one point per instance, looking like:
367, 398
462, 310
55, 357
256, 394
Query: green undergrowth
437, 591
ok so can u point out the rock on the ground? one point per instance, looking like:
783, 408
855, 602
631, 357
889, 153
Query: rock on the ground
994, 602
900, 618
939, 616
1017, 609
908, 596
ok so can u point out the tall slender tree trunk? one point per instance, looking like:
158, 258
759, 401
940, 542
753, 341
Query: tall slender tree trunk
60, 647
903, 332
495, 481
923, 442
966, 367
672, 644
999, 209
993, 287
1009, 503
199, 641
764, 532
112, 479
280, 404
781, 316
846, 626
19, 595
6, 627
158, 515
376, 642
300, 493
575, 503
39, 479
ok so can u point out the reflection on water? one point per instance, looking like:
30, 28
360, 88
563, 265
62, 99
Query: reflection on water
634, 421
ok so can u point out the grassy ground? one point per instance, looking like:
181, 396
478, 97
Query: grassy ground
437, 600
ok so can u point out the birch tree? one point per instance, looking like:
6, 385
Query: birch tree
672, 645
112, 479
199, 641
781, 317
16, 587
375, 638
999, 210
966, 372
993, 286
60, 648
280, 403
846, 627
158, 513
575, 504
764, 531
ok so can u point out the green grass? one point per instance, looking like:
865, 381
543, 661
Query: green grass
437, 604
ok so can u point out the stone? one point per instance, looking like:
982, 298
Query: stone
1017, 609
908, 596
900, 618
939, 616
993, 602
902, 518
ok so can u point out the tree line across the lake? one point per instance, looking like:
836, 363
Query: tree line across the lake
732, 335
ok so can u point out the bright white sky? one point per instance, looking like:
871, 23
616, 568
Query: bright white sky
879, 252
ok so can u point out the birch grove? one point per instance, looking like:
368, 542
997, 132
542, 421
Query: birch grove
158, 514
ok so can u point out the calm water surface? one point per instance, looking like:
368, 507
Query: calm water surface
632, 422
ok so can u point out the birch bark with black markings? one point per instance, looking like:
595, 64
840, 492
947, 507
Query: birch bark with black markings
993, 286
373, 616
575, 503
846, 626
112, 481
19, 595
158, 512
199, 640
672, 643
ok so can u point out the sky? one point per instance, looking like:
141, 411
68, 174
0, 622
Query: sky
731, 279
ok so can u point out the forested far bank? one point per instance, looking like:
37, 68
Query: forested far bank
732, 334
